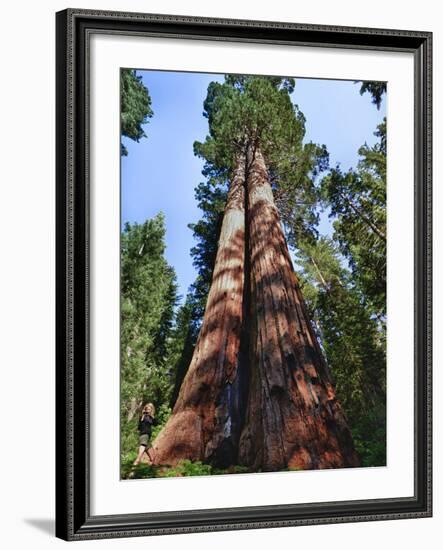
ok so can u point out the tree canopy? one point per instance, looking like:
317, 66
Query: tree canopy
375, 89
135, 106
259, 110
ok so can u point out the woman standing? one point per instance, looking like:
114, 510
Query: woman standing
147, 420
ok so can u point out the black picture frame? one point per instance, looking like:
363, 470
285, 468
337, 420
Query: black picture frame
74, 521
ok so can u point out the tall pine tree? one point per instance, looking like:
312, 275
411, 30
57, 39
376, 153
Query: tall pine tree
353, 342
357, 200
148, 298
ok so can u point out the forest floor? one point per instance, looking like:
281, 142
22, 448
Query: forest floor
184, 468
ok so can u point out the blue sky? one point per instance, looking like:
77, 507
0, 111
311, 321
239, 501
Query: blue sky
161, 172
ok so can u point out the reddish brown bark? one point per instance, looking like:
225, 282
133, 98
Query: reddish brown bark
293, 419
205, 424
258, 391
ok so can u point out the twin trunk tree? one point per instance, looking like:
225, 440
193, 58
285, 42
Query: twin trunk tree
257, 392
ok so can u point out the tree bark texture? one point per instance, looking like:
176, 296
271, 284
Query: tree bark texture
206, 420
293, 418
258, 391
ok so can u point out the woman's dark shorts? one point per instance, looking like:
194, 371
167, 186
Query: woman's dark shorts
144, 441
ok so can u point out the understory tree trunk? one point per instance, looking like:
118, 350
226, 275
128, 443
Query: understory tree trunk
206, 420
293, 419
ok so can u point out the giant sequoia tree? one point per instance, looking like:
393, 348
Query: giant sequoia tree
211, 200
258, 391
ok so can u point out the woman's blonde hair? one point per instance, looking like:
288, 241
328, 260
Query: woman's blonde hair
152, 408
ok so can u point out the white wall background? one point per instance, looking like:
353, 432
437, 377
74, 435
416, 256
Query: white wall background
27, 272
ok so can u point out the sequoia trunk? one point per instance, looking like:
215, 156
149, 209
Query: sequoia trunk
206, 420
293, 419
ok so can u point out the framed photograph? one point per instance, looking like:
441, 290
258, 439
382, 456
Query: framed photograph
243, 274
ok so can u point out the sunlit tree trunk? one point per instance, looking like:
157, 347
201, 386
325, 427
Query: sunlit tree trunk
206, 420
293, 419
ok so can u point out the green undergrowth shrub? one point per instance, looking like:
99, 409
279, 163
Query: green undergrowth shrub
185, 468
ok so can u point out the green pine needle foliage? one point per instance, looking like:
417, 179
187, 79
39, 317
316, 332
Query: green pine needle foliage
148, 299
135, 106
